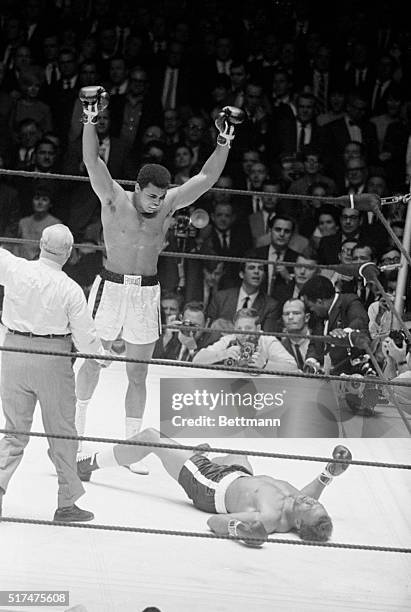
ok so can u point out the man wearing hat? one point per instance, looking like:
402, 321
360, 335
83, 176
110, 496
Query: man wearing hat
44, 310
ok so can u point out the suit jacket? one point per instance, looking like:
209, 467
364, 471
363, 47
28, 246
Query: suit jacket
347, 311
239, 242
61, 103
336, 136
10, 213
183, 89
224, 306
173, 348
285, 136
278, 284
330, 246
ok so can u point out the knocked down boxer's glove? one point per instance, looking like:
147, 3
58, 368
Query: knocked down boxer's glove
225, 122
252, 534
335, 469
94, 99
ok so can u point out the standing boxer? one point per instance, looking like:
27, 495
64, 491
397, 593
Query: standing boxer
125, 296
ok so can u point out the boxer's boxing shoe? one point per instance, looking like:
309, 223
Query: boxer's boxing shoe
72, 514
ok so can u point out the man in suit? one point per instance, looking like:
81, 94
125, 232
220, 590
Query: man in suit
184, 344
353, 126
295, 321
171, 80
259, 220
305, 268
250, 294
223, 239
133, 112
282, 228
332, 314
351, 229
62, 94
292, 133
364, 252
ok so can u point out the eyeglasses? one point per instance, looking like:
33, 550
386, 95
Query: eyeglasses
386, 261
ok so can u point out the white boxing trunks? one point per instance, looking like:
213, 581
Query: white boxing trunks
128, 304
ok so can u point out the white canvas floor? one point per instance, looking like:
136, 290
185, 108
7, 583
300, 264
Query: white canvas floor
119, 572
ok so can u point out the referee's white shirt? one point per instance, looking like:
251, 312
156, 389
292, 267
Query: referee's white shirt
40, 298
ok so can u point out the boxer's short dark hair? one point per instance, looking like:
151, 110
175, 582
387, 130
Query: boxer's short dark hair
155, 174
318, 532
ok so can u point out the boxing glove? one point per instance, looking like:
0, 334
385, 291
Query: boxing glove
335, 469
94, 99
225, 122
252, 534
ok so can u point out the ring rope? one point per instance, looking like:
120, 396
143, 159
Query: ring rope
184, 364
400, 199
178, 327
199, 534
200, 256
330, 200
211, 449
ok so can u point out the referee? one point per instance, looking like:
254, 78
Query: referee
44, 309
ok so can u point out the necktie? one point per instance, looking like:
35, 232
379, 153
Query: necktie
224, 241
322, 100
301, 140
66, 84
246, 301
267, 225
298, 356
257, 204
377, 95
168, 98
53, 75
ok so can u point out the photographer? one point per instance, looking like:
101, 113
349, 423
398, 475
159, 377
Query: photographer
253, 351
398, 367
185, 343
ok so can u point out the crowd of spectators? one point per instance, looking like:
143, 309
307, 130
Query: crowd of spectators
327, 94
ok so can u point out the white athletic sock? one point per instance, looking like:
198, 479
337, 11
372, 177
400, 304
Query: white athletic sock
81, 416
133, 426
106, 458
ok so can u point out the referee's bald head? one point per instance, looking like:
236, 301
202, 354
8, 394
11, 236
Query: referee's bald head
56, 242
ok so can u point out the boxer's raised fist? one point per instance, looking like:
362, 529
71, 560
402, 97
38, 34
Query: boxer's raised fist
225, 122
94, 99
335, 469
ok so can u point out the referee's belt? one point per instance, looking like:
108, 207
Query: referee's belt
129, 279
31, 335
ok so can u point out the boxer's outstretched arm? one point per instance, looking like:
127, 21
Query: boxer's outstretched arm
196, 186
101, 181
313, 489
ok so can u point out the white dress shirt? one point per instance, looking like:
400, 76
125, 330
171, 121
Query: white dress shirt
241, 297
40, 298
354, 130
